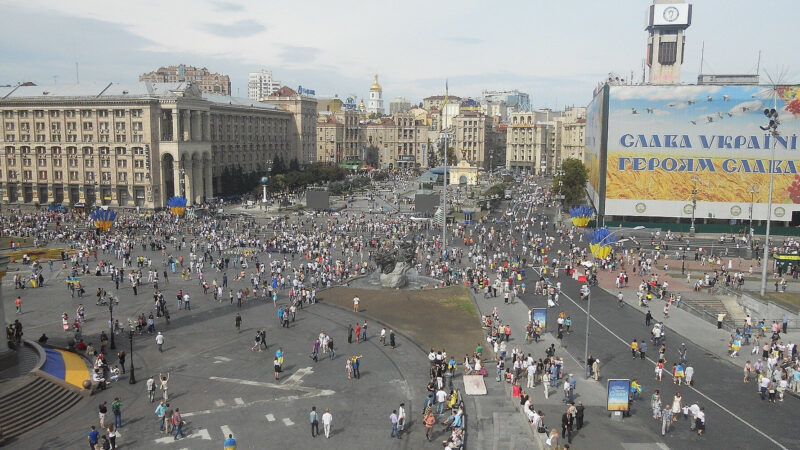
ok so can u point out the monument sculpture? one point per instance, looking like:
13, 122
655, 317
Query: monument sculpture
393, 267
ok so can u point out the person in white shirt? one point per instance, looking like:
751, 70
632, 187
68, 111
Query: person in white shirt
401, 418
532, 375
160, 341
441, 398
327, 420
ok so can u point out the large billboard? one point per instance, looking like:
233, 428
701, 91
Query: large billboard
594, 147
318, 200
665, 141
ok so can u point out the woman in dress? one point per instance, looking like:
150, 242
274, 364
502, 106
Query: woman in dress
65, 322
349, 367
676, 405
276, 362
655, 404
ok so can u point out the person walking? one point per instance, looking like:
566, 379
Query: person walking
102, 411
327, 420
93, 437
401, 419
313, 418
160, 342
393, 421
121, 357
238, 322
277, 364
159, 412
151, 388
230, 443
18, 304
177, 424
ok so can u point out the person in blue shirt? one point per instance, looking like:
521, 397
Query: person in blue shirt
93, 437
230, 443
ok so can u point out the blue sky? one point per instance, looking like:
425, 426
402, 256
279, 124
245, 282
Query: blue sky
555, 50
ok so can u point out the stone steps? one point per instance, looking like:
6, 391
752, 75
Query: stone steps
33, 404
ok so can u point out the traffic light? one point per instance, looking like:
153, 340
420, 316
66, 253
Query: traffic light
772, 115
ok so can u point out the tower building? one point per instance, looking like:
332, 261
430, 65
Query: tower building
666, 22
375, 102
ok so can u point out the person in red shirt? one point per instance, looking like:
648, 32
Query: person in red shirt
18, 304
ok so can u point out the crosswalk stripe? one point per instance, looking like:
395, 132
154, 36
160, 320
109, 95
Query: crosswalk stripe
270, 418
238, 401
225, 431
287, 421
218, 403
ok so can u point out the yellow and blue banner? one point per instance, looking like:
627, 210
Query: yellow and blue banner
103, 219
177, 205
601, 242
581, 215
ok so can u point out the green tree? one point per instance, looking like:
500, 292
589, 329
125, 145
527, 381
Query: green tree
278, 166
294, 165
571, 182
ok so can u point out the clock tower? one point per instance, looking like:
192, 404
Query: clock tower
666, 22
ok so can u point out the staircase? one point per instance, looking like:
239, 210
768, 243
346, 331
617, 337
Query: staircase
33, 403
707, 309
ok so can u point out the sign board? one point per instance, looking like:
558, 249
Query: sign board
302, 91
540, 315
618, 393
318, 200
648, 147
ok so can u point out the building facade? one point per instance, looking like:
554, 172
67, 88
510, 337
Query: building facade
571, 127
261, 85
470, 134
527, 144
131, 145
338, 138
304, 119
397, 142
213, 83
375, 102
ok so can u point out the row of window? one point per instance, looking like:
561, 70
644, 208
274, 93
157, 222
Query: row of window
85, 113
11, 150
27, 175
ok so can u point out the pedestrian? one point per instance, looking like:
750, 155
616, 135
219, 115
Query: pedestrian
93, 437
565, 431
720, 318
177, 424
238, 322
116, 408
230, 443
113, 434
393, 421
350, 333
18, 304
642, 348
159, 412
160, 342
164, 386
103, 410
648, 318
151, 388
596, 369
401, 419
314, 419
392, 339
579, 415
355, 303
277, 364
327, 420
666, 419
429, 421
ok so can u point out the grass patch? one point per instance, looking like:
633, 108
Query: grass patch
459, 298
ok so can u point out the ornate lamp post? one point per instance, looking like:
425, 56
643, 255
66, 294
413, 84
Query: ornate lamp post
111, 321
132, 379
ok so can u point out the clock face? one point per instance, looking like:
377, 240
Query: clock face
671, 14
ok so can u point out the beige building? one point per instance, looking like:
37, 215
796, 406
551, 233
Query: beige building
571, 127
304, 120
397, 142
338, 138
471, 131
132, 145
213, 83
527, 143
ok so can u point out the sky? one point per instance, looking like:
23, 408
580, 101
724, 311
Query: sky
557, 51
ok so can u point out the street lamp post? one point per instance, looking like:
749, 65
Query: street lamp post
182, 181
753, 190
683, 258
132, 379
773, 128
586, 342
111, 320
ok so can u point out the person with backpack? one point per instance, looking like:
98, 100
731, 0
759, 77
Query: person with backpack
116, 408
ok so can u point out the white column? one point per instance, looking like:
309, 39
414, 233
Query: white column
208, 181
188, 169
197, 181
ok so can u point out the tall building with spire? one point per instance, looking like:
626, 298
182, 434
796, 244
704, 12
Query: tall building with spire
375, 102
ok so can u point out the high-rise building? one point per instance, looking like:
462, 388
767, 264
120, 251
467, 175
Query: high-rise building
666, 22
213, 83
375, 102
261, 85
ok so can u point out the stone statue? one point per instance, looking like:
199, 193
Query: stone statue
394, 267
